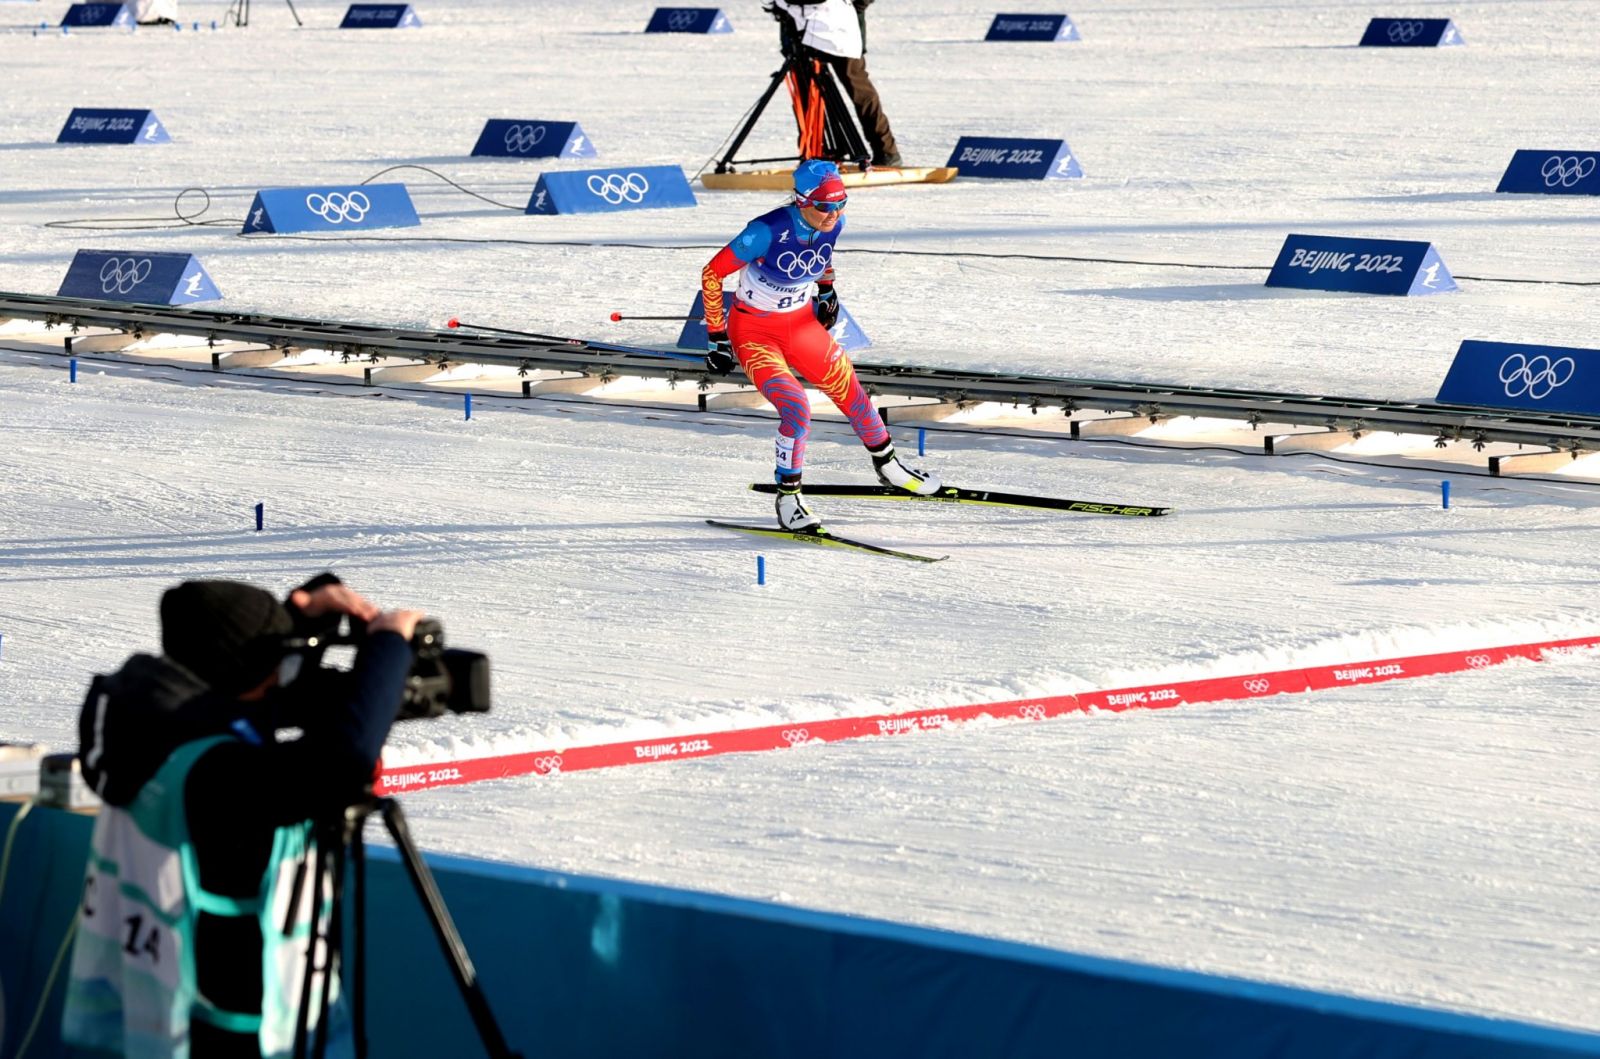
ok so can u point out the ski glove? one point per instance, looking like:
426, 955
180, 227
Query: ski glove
719, 358
827, 306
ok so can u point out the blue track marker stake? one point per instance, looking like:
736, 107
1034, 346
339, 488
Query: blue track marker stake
2, 642
72, 369
922, 442
261, 516
468, 405
761, 569
1444, 492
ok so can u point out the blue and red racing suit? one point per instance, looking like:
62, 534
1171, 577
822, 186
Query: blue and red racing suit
775, 333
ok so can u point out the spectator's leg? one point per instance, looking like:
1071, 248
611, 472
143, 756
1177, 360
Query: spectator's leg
869, 108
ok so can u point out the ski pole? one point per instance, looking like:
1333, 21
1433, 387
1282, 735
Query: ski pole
621, 316
607, 347
454, 325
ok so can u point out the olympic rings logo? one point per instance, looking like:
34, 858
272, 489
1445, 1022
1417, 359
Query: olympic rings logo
336, 207
1404, 32
1535, 376
806, 263
1566, 171
1032, 713
547, 765
1258, 686
122, 276
681, 19
616, 188
796, 736
521, 139
1478, 661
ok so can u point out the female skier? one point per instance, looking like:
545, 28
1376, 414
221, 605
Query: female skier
775, 330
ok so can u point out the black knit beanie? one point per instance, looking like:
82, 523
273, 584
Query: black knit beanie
227, 633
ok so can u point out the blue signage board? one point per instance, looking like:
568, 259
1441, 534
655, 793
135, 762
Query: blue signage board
339, 209
1360, 265
1552, 173
88, 15
689, 20
103, 125
1010, 159
845, 330
1410, 33
146, 277
1032, 28
1513, 375
646, 187
380, 16
514, 138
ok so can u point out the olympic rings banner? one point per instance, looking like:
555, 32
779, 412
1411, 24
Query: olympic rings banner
688, 20
142, 276
1032, 28
1411, 33
89, 15
1361, 266
100, 125
845, 330
380, 16
1008, 159
331, 209
1513, 375
1552, 173
520, 138
647, 187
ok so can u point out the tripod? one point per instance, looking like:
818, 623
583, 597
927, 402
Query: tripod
239, 13
336, 841
827, 123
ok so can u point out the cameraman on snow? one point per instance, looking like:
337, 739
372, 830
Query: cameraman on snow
835, 32
196, 909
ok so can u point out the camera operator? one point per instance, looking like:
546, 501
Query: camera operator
835, 32
197, 908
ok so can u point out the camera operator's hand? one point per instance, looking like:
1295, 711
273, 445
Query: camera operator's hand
403, 622
333, 599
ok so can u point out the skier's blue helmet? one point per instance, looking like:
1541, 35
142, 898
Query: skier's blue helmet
817, 182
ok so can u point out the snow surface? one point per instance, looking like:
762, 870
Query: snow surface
1429, 841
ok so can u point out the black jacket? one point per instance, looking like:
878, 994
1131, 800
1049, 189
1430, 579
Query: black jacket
242, 790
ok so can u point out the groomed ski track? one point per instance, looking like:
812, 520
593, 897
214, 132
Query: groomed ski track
1428, 840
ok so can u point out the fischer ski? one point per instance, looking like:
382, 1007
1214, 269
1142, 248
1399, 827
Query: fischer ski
952, 495
818, 535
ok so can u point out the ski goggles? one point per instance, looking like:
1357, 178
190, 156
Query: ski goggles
822, 205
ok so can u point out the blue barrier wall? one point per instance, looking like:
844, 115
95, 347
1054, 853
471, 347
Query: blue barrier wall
575, 966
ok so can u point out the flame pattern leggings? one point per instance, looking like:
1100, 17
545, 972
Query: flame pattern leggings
771, 347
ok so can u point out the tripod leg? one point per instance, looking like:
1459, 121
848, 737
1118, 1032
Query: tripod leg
333, 932
302, 1020
845, 139
444, 928
293, 12
358, 967
726, 161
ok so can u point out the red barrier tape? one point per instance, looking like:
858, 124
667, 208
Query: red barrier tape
830, 730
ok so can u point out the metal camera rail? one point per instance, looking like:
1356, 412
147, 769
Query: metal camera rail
1556, 438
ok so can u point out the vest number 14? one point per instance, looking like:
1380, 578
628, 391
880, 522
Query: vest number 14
142, 942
